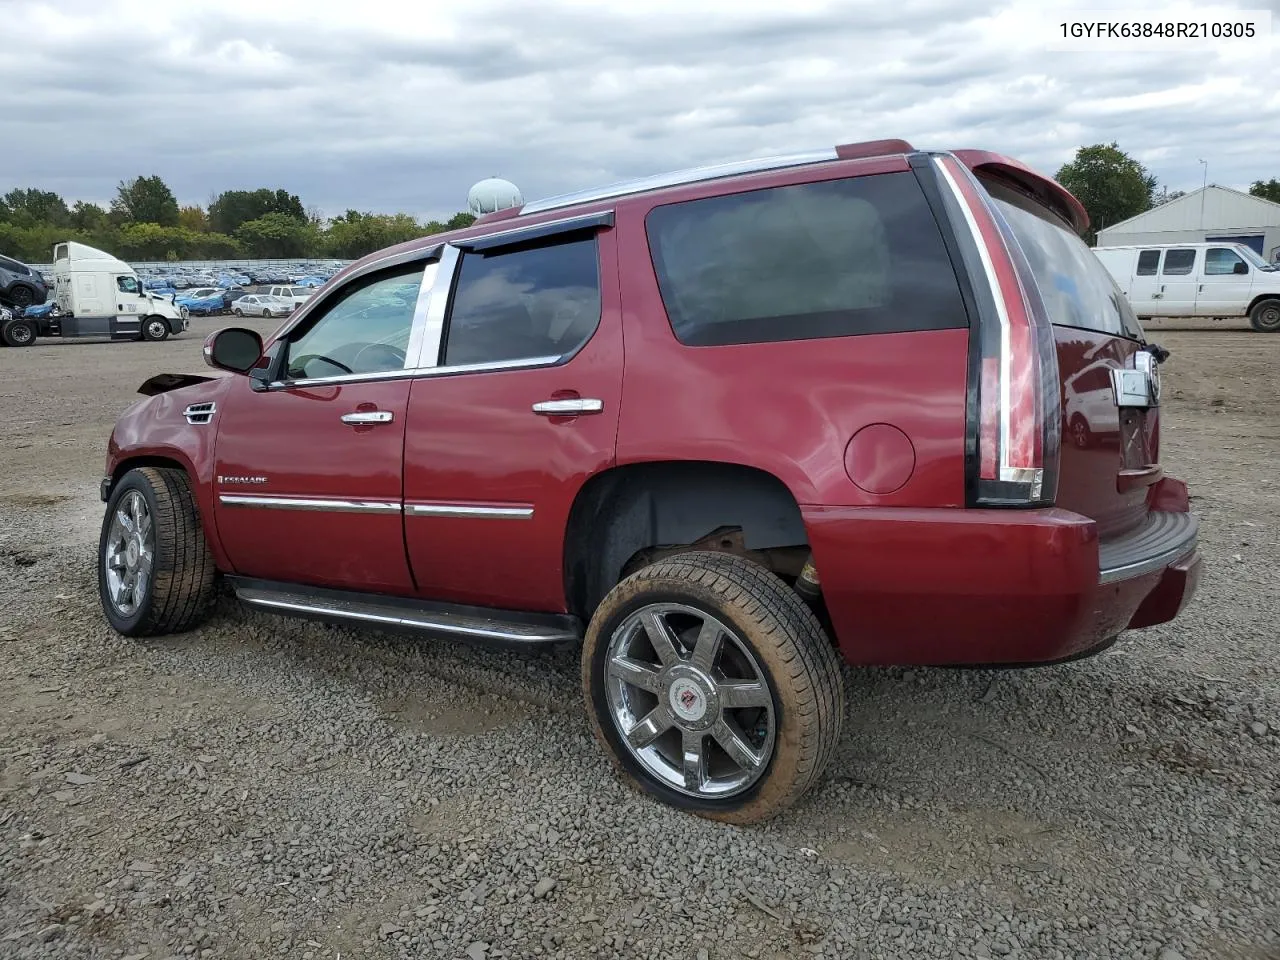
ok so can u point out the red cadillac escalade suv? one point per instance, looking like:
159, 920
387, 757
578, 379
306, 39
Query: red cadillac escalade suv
722, 427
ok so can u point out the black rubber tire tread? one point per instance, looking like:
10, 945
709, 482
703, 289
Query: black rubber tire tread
146, 323
1255, 316
804, 671
7, 333
184, 574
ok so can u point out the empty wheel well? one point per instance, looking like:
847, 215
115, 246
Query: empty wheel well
636, 513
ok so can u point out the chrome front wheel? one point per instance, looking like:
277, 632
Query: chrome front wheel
129, 552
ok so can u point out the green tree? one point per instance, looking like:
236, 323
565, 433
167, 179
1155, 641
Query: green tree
1268, 190
230, 209
1111, 184
145, 200
31, 208
460, 220
354, 234
193, 218
88, 216
277, 235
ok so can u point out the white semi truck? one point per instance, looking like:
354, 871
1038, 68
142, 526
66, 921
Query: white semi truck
95, 295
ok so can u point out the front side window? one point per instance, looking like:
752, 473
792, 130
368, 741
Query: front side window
126, 284
1178, 263
364, 329
524, 303
1221, 260
829, 259
1148, 261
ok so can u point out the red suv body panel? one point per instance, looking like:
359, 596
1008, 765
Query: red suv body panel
873, 435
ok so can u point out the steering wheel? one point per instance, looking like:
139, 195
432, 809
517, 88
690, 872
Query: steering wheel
300, 363
394, 356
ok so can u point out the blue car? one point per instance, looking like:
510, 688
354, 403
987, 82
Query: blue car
201, 306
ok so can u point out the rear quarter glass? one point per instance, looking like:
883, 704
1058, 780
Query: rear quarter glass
860, 255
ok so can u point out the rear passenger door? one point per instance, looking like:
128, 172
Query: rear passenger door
517, 410
1143, 288
1178, 283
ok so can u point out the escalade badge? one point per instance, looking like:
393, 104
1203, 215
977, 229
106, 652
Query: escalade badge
222, 479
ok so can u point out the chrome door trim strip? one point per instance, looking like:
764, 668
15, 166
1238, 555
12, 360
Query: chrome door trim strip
413, 373
469, 511
309, 503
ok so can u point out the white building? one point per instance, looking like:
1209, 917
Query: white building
1225, 214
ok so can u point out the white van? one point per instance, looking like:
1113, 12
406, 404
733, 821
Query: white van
98, 295
1216, 280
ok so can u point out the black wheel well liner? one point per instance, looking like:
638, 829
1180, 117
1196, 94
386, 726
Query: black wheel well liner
629, 508
1261, 298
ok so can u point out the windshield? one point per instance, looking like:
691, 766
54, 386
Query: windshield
1077, 289
1254, 257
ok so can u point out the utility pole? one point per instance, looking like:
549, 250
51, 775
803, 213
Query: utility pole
1204, 188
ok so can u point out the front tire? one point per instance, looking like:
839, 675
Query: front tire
1265, 317
18, 333
713, 687
155, 329
266, 314
155, 572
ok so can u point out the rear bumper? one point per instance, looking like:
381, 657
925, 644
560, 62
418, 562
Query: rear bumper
948, 586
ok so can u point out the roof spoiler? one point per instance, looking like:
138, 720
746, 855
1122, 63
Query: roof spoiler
1045, 189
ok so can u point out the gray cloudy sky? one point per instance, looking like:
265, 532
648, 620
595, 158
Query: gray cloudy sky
400, 105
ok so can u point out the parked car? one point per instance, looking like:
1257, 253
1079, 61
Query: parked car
261, 305
201, 302
20, 285
837, 432
232, 294
1214, 280
299, 295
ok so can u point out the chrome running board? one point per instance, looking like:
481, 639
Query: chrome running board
476, 624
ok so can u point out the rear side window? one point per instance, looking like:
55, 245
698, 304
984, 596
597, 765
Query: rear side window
1178, 262
1148, 261
13, 266
524, 303
1077, 290
830, 259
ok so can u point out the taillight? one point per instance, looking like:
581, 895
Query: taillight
1017, 408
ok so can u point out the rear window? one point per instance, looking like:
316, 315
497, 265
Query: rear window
1178, 263
1077, 290
830, 259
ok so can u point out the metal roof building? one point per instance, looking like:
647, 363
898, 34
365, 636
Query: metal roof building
1211, 213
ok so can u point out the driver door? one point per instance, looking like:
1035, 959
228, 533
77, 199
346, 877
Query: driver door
308, 483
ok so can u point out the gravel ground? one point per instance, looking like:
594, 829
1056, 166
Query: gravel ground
263, 787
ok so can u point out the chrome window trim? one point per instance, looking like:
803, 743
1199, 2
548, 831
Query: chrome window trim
437, 302
416, 372
679, 178
421, 305
308, 503
468, 511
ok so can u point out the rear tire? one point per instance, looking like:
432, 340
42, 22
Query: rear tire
21, 296
744, 664
18, 333
1265, 316
237, 311
155, 329
155, 572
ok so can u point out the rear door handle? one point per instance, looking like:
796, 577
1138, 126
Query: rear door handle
568, 407
368, 416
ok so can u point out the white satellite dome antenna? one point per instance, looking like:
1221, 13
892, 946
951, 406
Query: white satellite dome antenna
492, 195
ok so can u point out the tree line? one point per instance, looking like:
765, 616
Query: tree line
145, 222
1113, 186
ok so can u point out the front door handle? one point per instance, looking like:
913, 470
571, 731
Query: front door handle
368, 416
568, 407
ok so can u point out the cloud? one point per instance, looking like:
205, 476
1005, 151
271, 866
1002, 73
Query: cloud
398, 106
